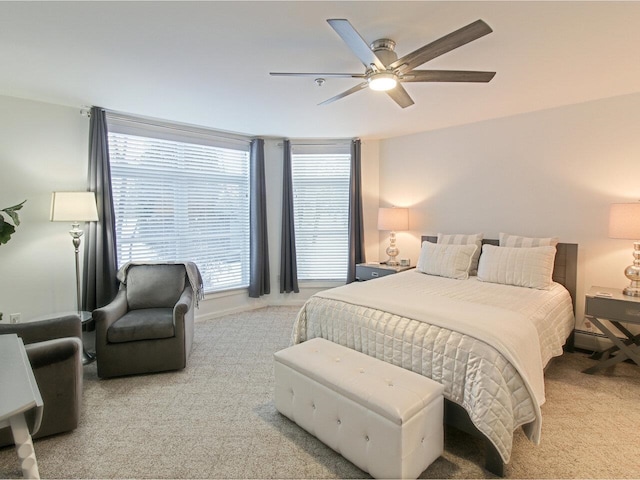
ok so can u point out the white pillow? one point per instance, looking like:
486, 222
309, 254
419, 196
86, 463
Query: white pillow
507, 240
460, 239
452, 261
522, 267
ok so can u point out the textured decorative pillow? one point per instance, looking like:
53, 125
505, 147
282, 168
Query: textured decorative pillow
522, 267
459, 239
452, 261
507, 240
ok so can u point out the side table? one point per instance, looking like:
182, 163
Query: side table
602, 303
370, 271
20, 394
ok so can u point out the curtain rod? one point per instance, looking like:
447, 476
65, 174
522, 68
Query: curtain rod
86, 111
319, 144
178, 126
187, 128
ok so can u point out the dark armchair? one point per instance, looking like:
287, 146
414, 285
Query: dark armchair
149, 326
54, 349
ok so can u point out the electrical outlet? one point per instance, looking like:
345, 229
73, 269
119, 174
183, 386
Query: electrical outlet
14, 318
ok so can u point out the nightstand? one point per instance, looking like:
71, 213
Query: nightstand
610, 304
370, 271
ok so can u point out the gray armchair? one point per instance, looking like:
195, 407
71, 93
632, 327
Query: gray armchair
149, 326
54, 349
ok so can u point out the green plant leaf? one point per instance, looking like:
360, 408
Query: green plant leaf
6, 230
11, 211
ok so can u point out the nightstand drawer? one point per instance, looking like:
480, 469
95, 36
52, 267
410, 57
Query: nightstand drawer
369, 273
609, 308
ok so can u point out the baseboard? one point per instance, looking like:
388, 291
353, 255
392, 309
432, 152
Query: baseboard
227, 311
591, 341
245, 308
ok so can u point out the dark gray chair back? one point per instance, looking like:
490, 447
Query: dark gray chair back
154, 286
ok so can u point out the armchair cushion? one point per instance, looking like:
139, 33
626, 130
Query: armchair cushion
154, 286
143, 324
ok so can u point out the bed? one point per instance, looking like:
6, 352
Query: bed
487, 343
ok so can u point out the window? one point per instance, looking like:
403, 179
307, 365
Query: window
321, 211
181, 197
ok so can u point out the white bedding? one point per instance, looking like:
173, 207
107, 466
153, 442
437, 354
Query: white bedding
444, 329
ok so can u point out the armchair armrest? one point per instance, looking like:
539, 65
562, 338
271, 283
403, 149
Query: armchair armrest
53, 351
42, 330
184, 302
105, 316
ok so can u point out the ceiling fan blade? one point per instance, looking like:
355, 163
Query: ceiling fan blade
400, 96
447, 76
355, 89
355, 42
445, 44
318, 75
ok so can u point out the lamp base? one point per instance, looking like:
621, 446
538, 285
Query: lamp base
632, 291
392, 251
632, 272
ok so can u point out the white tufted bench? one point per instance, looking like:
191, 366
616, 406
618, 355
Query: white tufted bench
386, 420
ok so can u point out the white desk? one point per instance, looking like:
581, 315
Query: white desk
18, 394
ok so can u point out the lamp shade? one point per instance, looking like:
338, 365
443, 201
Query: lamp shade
393, 219
624, 221
73, 207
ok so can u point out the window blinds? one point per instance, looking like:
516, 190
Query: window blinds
321, 213
182, 201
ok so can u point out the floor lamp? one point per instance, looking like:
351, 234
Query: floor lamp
74, 207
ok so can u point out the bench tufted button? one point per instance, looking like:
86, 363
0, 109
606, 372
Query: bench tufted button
339, 422
366, 438
422, 441
313, 405
337, 359
362, 370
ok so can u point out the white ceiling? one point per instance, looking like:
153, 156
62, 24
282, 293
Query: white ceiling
208, 63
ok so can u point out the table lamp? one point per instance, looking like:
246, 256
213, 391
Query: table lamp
393, 219
74, 207
624, 222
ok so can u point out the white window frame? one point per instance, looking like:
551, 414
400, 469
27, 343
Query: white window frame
321, 209
214, 232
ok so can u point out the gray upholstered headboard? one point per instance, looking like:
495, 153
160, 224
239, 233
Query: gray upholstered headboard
565, 270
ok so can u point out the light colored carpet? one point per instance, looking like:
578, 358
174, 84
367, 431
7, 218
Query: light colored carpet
216, 419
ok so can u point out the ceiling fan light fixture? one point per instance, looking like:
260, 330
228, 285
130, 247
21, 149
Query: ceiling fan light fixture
382, 82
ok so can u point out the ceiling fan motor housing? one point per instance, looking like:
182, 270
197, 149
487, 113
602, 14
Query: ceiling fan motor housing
384, 49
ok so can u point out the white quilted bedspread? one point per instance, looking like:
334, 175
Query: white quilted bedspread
477, 372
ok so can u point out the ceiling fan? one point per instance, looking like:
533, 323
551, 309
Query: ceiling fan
384, 71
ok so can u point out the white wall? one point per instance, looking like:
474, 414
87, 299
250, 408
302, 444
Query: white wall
548, 173
43, 148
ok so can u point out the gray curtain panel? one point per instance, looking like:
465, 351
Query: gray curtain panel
356, 223
259, 283
100, 259
288, 265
